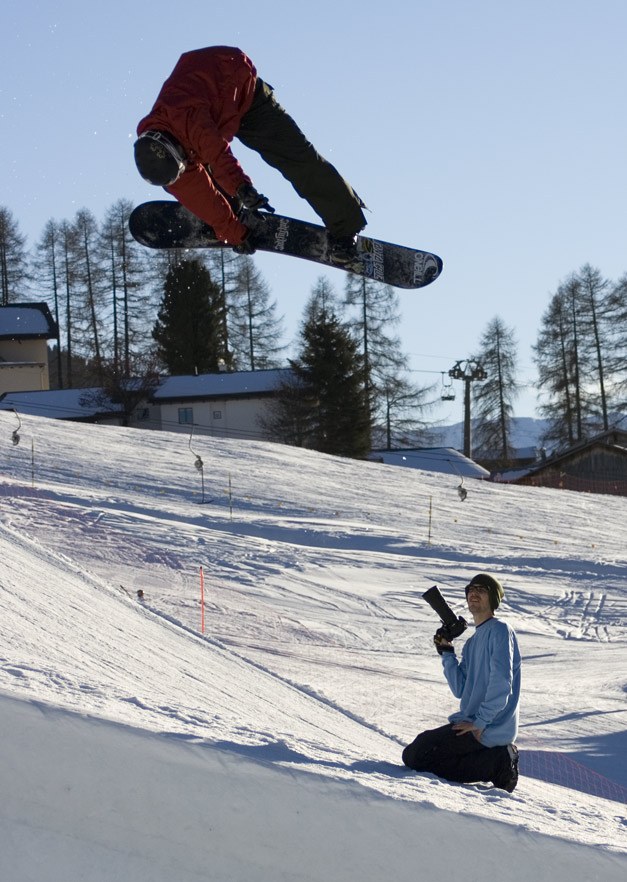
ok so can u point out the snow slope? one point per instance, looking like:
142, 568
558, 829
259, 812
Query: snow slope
135, 747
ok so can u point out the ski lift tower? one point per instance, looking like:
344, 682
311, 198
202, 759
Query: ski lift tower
468, 371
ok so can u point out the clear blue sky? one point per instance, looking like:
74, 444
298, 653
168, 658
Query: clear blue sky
491, 132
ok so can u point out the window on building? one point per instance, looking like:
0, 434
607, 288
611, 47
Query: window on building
217, 414
186, 415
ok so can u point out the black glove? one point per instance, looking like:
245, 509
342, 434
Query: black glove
253, 200
438, 637
247, 246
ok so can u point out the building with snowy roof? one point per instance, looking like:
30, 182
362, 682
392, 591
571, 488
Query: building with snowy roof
74, 405
25, 329
224, 405
595, 465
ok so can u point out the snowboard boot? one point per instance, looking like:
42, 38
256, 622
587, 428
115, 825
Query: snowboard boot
506, 777
342, 249
247, 246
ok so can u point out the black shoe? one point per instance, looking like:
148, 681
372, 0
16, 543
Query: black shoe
506, 777
343, 249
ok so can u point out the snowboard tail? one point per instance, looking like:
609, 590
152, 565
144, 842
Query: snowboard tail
166, 224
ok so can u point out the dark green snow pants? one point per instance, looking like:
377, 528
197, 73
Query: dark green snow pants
269, 130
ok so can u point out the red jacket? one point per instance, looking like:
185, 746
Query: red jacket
202, 103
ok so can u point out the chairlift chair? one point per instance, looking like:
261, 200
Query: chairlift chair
15, 437
448, 393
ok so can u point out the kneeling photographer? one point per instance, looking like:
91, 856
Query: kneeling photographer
477, 743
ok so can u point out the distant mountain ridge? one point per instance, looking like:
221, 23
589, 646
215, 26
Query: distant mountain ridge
527, 432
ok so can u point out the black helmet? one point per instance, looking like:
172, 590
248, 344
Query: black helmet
159, 158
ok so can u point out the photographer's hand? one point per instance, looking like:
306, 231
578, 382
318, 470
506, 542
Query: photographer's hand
467, 726
441, 643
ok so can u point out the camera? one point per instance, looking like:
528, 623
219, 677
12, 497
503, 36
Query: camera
452, 625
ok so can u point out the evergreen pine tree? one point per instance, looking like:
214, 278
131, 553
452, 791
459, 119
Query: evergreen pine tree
330, 370
323, 405
189, 323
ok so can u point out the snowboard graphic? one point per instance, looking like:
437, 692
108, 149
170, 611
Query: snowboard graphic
167, 224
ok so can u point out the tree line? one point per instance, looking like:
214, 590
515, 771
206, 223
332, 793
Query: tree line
581, 358
124, 312
104, 291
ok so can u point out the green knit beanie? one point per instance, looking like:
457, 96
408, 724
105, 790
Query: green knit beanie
495, 589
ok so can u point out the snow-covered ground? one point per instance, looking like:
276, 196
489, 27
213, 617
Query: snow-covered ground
135, 747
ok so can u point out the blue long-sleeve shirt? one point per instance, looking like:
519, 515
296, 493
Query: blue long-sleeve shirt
487, 680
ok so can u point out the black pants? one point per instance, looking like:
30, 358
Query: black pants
455, 757
269, 130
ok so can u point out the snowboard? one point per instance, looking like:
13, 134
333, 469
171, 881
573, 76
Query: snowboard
167, 224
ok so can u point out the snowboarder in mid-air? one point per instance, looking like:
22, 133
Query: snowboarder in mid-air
212, 96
